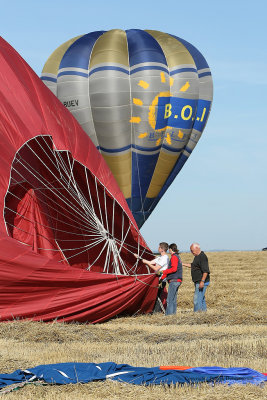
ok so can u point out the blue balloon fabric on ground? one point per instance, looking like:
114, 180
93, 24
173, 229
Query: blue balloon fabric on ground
66, 373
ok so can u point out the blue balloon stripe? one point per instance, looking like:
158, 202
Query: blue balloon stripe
109, 67
181, 70
73, 73
78, 54
125, 71
200, 61
177, 168
174, 150
149, 67
148, 149
143, 48
139, 217
133, 146
204, 74
188, 150
143, 166
115, 150
48, 78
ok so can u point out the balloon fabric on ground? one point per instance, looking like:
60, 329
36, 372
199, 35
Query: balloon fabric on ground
67, 236
71, 373
143, 97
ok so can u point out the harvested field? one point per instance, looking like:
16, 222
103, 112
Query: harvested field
231, 334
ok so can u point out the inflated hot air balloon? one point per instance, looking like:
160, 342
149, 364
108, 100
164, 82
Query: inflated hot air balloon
67, 236
143, 97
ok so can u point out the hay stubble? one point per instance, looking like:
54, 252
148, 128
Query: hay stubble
232, 333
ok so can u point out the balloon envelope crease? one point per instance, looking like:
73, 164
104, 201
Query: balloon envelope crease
143, 97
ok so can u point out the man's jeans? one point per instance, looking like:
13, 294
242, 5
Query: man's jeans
172, 298
199, 298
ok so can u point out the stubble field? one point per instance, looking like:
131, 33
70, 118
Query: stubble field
231, 334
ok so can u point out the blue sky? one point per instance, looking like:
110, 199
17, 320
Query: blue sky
219, 197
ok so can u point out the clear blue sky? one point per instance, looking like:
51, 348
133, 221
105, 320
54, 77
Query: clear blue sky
219, 198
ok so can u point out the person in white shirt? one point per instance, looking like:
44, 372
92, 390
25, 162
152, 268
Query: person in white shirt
160, 263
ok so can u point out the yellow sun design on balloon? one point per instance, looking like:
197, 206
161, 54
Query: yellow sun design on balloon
152, 109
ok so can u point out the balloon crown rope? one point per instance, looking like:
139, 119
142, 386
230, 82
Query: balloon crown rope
47, 177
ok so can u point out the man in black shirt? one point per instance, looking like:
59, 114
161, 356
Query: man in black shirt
200, 276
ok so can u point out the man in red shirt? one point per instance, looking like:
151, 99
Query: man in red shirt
174, 277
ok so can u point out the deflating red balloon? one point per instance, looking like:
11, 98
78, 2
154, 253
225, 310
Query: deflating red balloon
67, 236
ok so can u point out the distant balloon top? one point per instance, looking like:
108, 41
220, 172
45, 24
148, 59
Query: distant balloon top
143, 97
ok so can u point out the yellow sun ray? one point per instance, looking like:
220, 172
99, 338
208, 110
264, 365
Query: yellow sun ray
158, 141
185, 87
142, 135
162, 77
171, 81
168, 139
135, 120
180, 134
137, 102
143, 84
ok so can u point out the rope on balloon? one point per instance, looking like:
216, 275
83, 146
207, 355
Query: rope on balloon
82, 209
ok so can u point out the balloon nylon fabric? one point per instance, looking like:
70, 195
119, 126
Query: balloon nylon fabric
143, 97
66, 373
36, 288
62, 213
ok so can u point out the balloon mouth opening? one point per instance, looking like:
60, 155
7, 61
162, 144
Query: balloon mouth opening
58, 208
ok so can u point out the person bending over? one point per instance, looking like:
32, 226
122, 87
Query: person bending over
200, 276
174, 276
